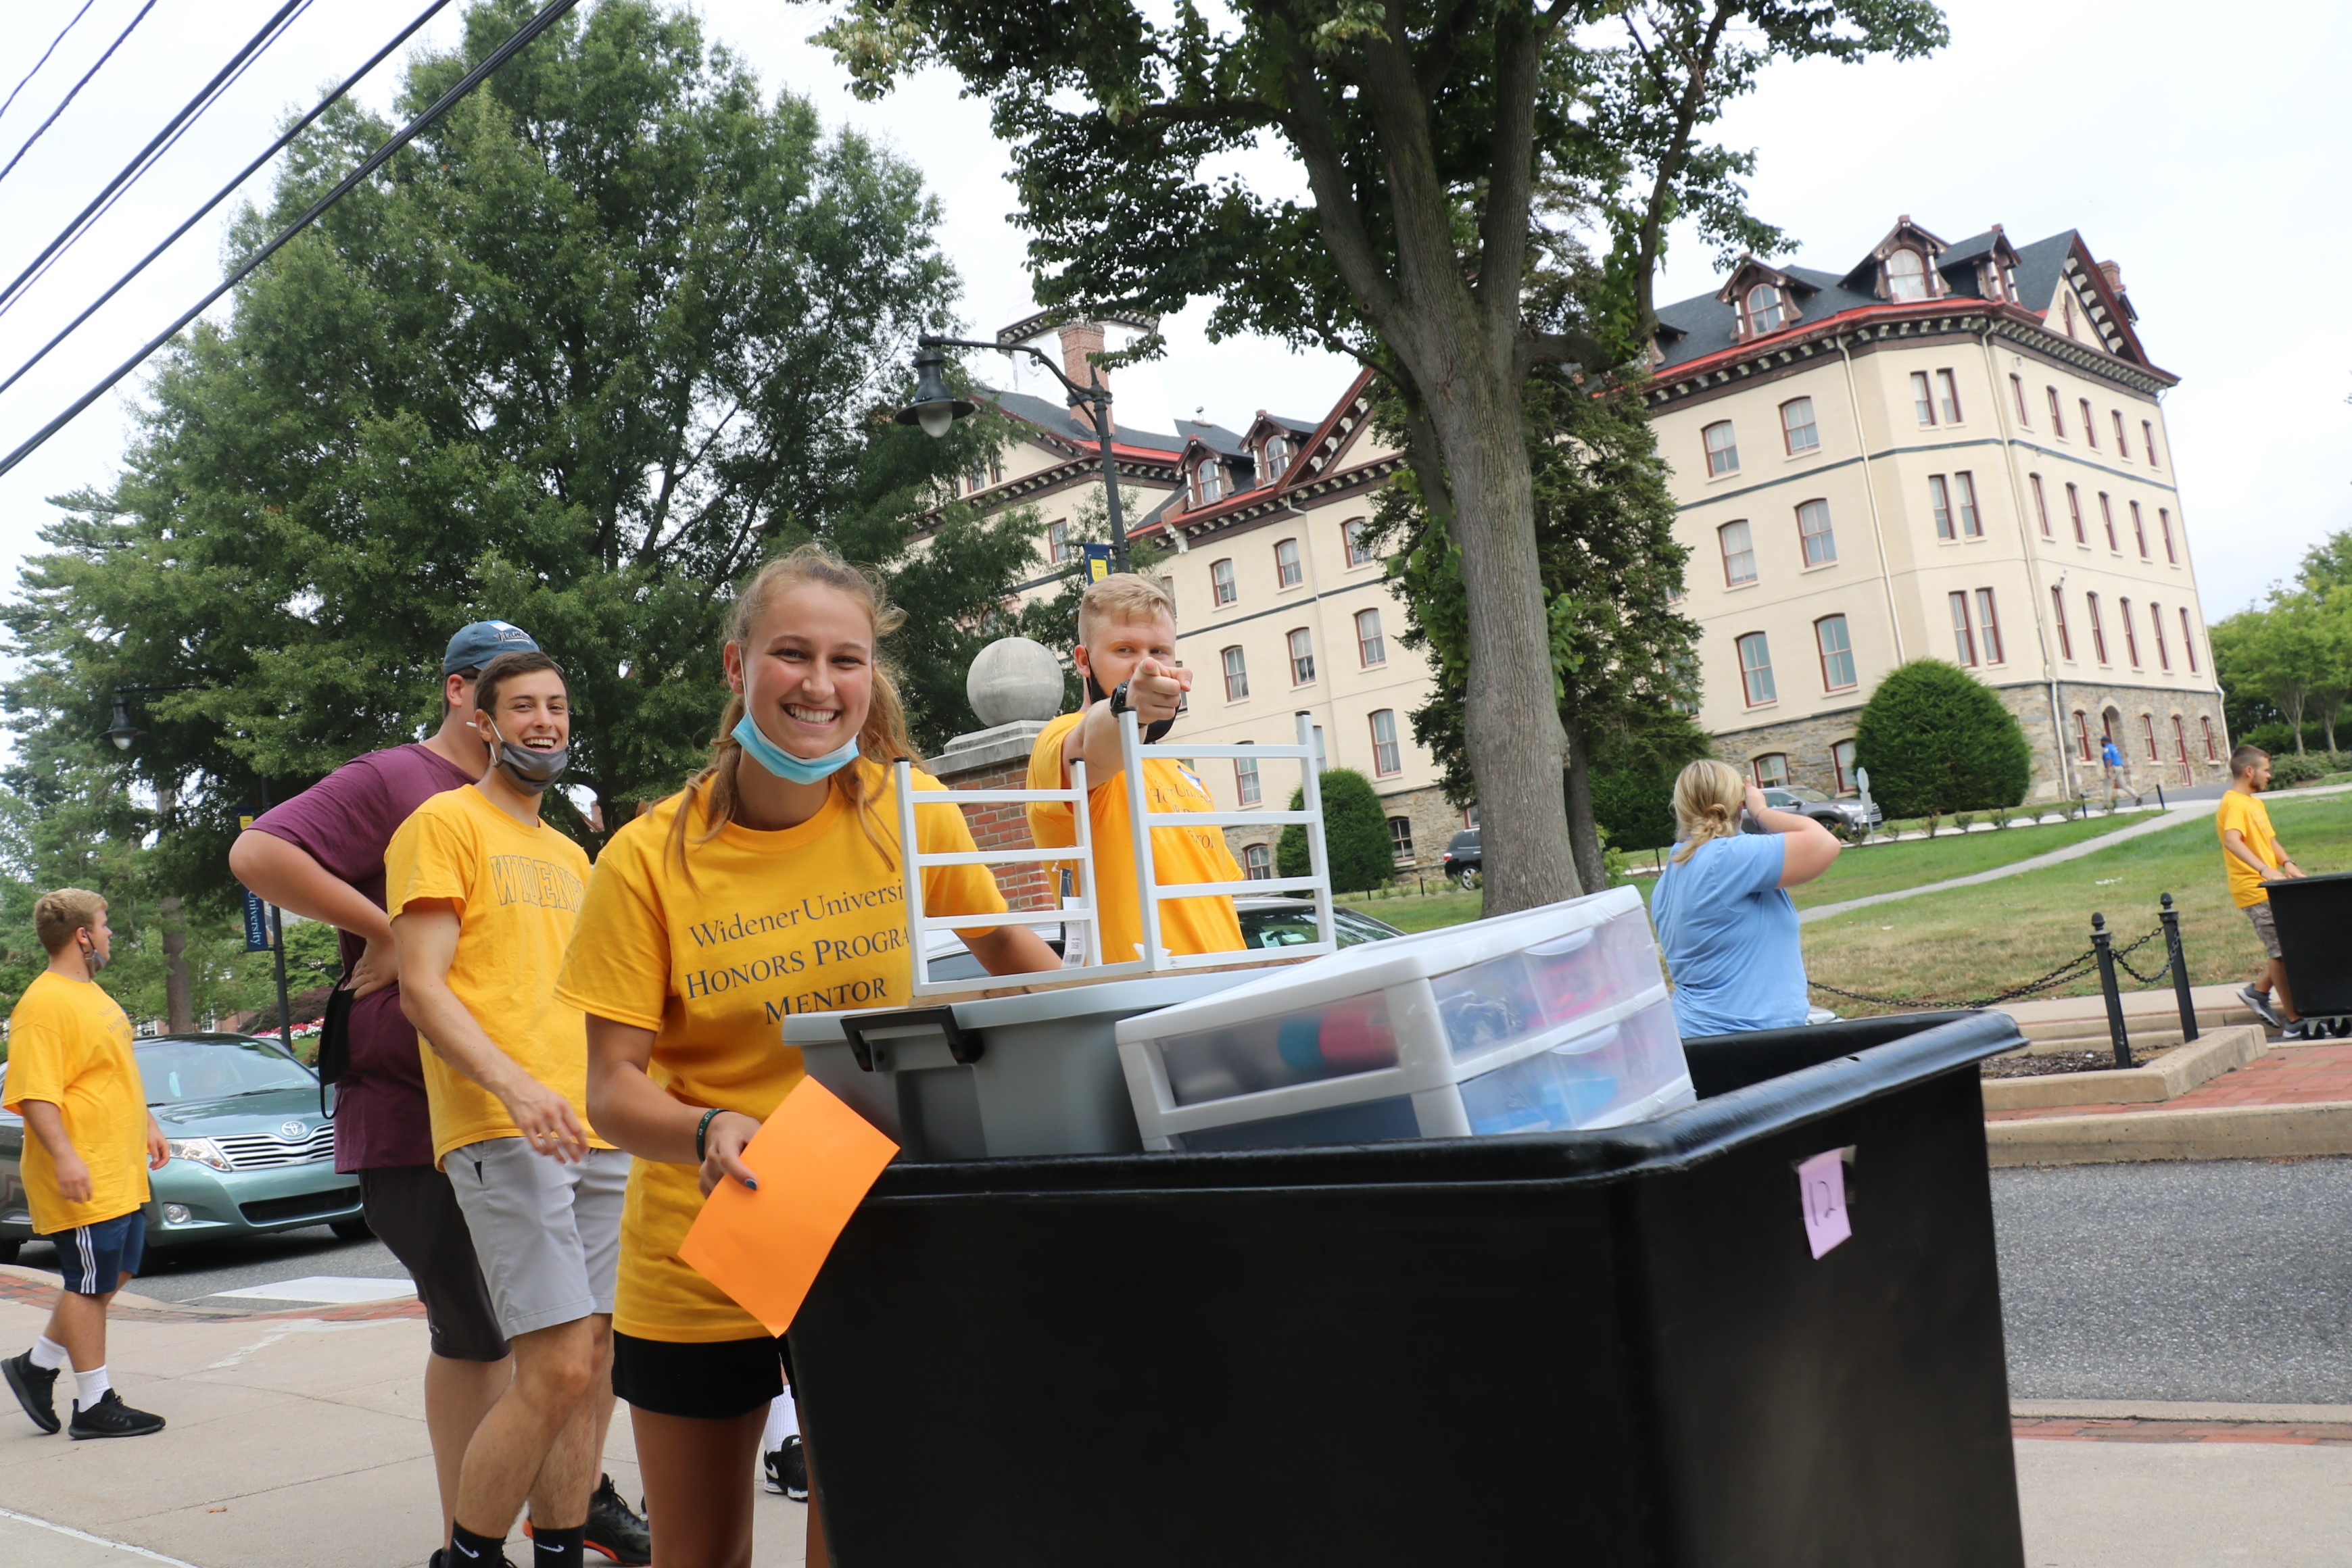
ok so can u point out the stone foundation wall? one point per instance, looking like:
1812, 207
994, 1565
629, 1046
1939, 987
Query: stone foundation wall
1435, 823
1806, 742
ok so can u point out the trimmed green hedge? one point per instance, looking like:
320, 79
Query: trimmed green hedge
1355, 834
1935, 739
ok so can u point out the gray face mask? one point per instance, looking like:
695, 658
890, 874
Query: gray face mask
93, 960
530, 771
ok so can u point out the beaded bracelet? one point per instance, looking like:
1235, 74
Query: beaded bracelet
702, 1131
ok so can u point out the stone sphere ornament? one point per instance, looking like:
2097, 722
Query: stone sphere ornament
1015, 678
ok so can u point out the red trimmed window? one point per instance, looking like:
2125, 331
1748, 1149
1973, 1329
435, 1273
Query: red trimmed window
2083, 736
2075, 510
2057, 414
1989, 627
2058, 619
2188, 640
1837, 655
2107, 516
2098, 632
1756, 669
1964, 637
2041, 504
2164, 527
2131, 633
2156, 622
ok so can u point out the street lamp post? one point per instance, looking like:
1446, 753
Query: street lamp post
936, 407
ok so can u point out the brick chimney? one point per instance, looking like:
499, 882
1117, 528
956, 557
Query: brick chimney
1078, 341
2114, 274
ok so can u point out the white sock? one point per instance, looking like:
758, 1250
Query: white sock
784, 1421
89, 1387
48, 1353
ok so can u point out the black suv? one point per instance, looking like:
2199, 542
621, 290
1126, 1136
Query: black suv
1461, 861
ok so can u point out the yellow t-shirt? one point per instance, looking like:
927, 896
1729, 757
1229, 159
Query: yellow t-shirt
518, 892
809, 919
70, 1044
1179, 855
2253, 819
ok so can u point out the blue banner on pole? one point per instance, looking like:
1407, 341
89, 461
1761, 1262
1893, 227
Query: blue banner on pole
1098, 561
257, 925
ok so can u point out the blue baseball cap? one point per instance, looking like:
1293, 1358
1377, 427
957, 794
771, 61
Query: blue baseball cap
477, 644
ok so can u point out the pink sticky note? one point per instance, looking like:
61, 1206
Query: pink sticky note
1822, 1180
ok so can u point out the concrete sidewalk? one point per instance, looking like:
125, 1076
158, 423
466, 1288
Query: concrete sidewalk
293, 1442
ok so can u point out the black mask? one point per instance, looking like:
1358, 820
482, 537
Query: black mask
530, 771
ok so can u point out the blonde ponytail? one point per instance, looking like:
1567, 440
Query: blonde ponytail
1708, 795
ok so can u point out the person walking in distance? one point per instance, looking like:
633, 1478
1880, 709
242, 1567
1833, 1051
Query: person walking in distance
90, 1144
321, 855
1126, 654
2252, 855
2111, 763
483, 896
770, 885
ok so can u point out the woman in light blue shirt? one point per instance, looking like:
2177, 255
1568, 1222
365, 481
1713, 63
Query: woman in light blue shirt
1723, 916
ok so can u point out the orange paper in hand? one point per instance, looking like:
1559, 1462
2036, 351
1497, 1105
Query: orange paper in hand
815, 1159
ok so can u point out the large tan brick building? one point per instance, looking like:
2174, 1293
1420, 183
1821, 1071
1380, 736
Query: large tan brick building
1954, 450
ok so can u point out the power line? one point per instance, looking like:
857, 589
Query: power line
218, 197
77, 87
523, 34
271, 31
52, 50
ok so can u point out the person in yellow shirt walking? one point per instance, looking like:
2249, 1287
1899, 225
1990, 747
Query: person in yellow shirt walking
2252, 853
72, 1078
770, 885
1126, 656
483, 896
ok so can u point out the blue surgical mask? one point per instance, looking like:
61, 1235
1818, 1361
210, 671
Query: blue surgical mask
784, 764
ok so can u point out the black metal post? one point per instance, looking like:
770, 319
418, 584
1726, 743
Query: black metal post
2103, 942
1098, 407
278, 957
2170, 918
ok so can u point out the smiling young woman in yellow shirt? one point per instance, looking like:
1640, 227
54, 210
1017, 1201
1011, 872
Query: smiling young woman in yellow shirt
770, 885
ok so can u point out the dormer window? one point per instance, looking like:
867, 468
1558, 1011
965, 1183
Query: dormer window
1764, 311
1906, 275
1208, 482
1277, 456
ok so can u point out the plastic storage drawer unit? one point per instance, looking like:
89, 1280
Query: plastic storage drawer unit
1549, 1021
1012, 1075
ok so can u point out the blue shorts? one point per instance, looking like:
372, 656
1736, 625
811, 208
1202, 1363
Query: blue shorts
94, 1257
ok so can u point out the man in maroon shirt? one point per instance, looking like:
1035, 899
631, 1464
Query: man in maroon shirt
321, 856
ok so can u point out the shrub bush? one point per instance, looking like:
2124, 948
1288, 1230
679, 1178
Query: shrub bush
2299, 768
1355, 834
1936, 739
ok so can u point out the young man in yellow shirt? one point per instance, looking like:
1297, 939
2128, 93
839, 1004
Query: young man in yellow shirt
1126, 656
483, 898
72, 1078
2252, 853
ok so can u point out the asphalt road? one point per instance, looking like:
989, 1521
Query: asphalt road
184, 1273
2228, 1280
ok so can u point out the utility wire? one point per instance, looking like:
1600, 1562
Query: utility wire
77, 87
142, 160
218, 197
52, 50
546, 18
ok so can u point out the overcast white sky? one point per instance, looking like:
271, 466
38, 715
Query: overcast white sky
2195, 148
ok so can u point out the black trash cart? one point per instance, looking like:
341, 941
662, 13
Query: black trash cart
1595, 1348
2314, 916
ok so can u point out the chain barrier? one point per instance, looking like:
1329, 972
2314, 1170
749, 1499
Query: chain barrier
2082, 966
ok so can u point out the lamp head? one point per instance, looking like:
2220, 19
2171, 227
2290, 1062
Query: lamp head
121, 731
936, 405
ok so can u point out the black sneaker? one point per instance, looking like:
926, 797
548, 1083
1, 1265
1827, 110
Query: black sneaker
2262, 1006
35, 1388
110, 1417
616, 1530
788, 1469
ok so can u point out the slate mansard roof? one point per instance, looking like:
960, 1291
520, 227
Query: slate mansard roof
1704, 329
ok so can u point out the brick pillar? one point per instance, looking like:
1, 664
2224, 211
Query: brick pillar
998, 759
1080, 339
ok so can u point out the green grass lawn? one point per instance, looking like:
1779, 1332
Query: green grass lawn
1410, 910
1974, 941
1865, 869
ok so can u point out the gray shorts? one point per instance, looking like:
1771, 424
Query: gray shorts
2258, 915
549, 1235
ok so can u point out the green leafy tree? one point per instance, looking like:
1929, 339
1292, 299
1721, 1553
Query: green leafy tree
2294, 652
1624, 656
1355, 835
1937, 739
1427, 135
613, 333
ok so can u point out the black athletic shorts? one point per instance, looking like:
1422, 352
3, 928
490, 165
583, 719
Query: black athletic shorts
713, 1381
414, 1212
